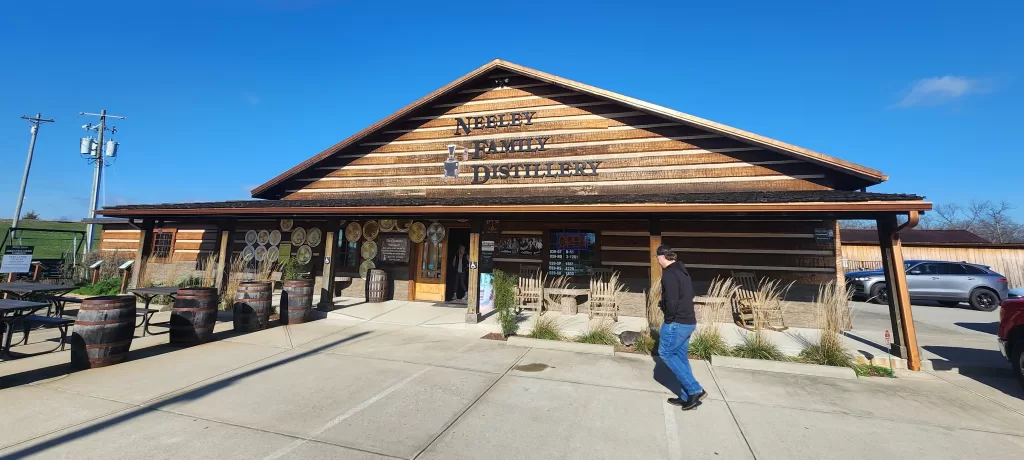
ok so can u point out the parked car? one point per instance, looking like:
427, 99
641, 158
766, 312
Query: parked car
1011, 335
948, 283
1016, 293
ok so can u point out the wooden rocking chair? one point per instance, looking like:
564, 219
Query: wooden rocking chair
746, 313
530, 290
603, 299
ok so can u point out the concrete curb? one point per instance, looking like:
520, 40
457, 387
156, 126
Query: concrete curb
606, 350
783, 367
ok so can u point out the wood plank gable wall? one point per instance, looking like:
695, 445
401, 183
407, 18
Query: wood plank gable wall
633, 152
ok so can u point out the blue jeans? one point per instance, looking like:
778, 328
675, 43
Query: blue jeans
673, 348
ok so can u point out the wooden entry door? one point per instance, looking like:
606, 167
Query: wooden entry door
431, 270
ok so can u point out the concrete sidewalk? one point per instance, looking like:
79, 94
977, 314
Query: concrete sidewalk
339, 388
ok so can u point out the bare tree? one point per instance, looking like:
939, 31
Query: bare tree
987, 219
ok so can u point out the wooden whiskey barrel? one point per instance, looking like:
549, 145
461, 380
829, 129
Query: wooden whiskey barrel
296, 301
253, 307
103, 331
194, 315
378, 286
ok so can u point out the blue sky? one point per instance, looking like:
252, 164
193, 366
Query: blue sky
222, 95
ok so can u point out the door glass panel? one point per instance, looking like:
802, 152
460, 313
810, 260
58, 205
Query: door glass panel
972, 270
955, 269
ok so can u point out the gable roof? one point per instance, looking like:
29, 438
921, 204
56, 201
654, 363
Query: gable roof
864, 173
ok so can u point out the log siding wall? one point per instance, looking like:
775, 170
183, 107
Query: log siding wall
637, 152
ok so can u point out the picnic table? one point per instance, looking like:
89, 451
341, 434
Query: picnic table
26, 289
12, 311
147, 295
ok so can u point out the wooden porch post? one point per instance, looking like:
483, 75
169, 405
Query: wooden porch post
900, 313
327, 281
220, 280
142, 253
473, 288
655, 232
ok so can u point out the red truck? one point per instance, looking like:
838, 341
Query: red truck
1011, 334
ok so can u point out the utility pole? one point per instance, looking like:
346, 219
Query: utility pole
98, 173
28, 164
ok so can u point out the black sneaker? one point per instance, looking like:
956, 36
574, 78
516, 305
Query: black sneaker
699, 396
676, 401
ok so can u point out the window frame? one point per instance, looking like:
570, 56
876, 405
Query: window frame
170, 249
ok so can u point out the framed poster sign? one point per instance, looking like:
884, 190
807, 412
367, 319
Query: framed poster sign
393, 249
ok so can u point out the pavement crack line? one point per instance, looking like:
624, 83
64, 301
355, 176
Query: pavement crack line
732, 414
455, 419
351, 412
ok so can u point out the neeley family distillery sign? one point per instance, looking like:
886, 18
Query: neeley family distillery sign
483, 173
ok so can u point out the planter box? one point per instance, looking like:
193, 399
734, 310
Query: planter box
559, 345
783, 367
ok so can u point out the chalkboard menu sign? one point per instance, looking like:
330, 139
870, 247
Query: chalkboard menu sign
394, 249
571, 253
487, 255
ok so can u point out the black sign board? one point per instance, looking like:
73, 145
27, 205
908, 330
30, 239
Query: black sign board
393, 249
487, 255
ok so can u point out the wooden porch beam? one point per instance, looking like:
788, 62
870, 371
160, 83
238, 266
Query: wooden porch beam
655, 235
900, 313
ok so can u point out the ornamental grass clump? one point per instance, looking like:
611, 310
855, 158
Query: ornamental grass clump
832, 312
648, 342
757, 345
600, 334
546, 328
707, 340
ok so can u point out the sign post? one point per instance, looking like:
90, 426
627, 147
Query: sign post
888, 344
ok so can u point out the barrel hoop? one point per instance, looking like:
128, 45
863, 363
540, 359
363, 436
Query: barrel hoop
106, 308
109, 345
105, 323
212, 307
195, 297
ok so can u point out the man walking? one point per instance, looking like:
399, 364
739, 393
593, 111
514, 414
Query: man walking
680, 322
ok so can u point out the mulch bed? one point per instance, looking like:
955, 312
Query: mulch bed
494, 336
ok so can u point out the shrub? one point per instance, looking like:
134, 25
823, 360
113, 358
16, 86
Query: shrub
648, 342
602, 334
505, 302
190, 281
832, 310
758, 346
546, 328
109, 286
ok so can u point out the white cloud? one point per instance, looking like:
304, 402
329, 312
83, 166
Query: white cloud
941, 90
251, 98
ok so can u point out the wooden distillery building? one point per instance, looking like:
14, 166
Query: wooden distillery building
528, 170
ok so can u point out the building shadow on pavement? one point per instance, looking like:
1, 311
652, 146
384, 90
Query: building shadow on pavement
196, 393
987, 367
988, 328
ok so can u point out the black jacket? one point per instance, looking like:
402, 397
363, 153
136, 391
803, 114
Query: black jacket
677, 295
